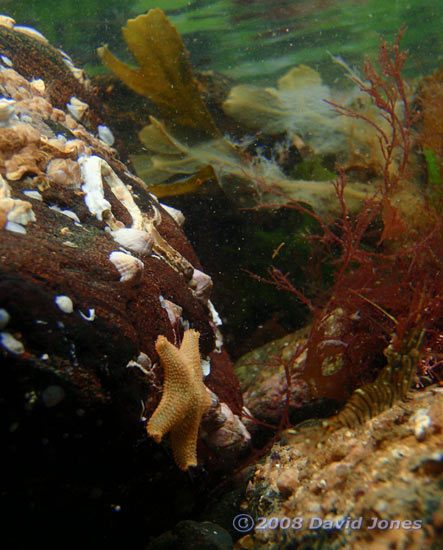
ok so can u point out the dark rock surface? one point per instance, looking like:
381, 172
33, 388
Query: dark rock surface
80, 373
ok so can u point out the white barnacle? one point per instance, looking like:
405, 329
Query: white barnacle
421, 422
65, 56
33, 194
129, 267
105, 134
214, 314
90, 168
29, 31
10, 343
205, 366
38, 85
90, 316
21, 212
176, 214
77, 108
201, 284
5, 190
64, 303
15, 213
6, 61
6, 21
4, 318
174, 311
95, 171
136, 240
143, 362
68, 213
7, 111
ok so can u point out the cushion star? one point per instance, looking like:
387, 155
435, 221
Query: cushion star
184, 399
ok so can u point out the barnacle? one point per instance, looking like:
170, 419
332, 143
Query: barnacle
392, 384
96, 171
129, 267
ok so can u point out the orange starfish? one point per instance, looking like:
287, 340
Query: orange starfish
184, 399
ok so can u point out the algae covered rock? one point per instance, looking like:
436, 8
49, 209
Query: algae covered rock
93, 268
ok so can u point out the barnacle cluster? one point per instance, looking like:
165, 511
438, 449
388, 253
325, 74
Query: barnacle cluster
29, 147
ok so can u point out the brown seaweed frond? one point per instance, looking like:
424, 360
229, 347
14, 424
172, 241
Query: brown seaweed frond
164, 74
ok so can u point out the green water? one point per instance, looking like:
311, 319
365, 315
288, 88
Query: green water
248, 39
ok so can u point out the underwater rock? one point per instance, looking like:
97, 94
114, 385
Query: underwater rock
189, 535
76, 314
224, 432
376, 485
36, 60
263, 381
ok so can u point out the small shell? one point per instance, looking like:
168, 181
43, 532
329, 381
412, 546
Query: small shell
29, 31
77, 108
64, 303
4, 318
33, 194
105, 134
38, 85
6, 21
206, 366
11, 344
214, 314
228, 434
6, 61
175, 213
90, 317
129, 267
421, 422
66, 57
15, 212
7, 109
64, 172
67, 213
136, 240
144, 360
201, 284
5, 190
174, 311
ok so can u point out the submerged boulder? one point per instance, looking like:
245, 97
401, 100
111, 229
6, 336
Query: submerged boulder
93, 269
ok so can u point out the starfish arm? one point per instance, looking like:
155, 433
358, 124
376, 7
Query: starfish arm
184, 442
189, 350
164, 418
172, 406
178, 375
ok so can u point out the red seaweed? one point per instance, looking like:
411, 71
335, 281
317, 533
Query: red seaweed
379, 295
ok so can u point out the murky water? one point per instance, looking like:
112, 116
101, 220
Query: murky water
248, 39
